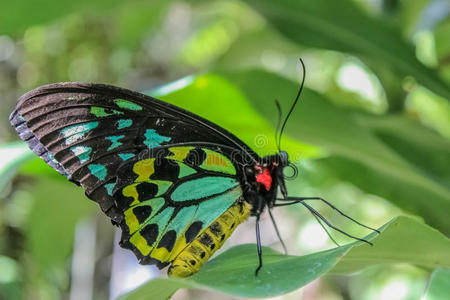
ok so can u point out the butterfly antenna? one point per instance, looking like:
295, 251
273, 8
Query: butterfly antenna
293, 104
277, 104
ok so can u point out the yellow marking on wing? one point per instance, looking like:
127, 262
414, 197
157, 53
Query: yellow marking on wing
215, 159
161, 254
179, 153
192, 257
217, 162
140, 243
130, 191
144, 169
131, 220
180, 244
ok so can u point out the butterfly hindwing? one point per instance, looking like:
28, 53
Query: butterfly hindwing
87, 131
170, 197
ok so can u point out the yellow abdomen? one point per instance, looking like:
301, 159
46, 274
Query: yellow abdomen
208, 241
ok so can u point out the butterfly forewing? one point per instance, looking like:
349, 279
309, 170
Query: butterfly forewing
166, 176
87, 131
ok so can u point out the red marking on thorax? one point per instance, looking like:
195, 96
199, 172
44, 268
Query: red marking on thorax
264, 178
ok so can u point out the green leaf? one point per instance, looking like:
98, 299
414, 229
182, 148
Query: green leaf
439, 284
135, 19
403, 239
22, 14
341, 25
233, 273
12, 157
345, 135
431, 151
197, 94
50, 228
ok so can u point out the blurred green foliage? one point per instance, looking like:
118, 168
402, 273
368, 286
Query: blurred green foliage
371, 133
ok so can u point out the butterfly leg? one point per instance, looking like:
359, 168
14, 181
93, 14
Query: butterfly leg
260, 202
277, 231
258, 246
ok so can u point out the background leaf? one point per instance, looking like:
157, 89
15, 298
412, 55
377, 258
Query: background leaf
12, 156
51, 223
341, 25
439, 284
403, 240
213, 88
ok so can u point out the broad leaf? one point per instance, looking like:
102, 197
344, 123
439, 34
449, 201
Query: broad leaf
439, 284
402, 240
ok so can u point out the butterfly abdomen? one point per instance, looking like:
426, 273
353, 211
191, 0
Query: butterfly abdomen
209, 241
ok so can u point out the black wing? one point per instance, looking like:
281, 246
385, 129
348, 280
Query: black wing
87, 131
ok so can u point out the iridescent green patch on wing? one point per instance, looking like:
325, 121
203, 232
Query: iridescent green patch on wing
124, 123
202, 187
114, 141
210, 209
104, 112
125, 104
153, 139
185, 170
125, 156
109, 188
98, 171
82, 152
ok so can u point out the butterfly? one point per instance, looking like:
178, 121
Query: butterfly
175, 183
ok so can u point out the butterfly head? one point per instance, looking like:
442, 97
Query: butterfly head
268, 174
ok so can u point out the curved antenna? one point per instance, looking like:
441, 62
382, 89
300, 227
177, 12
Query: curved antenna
295, 102
277, 104
295, 171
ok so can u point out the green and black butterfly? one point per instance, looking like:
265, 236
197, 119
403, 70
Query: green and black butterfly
176, 184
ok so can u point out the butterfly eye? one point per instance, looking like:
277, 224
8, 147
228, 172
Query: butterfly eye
284, 158
291, 173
